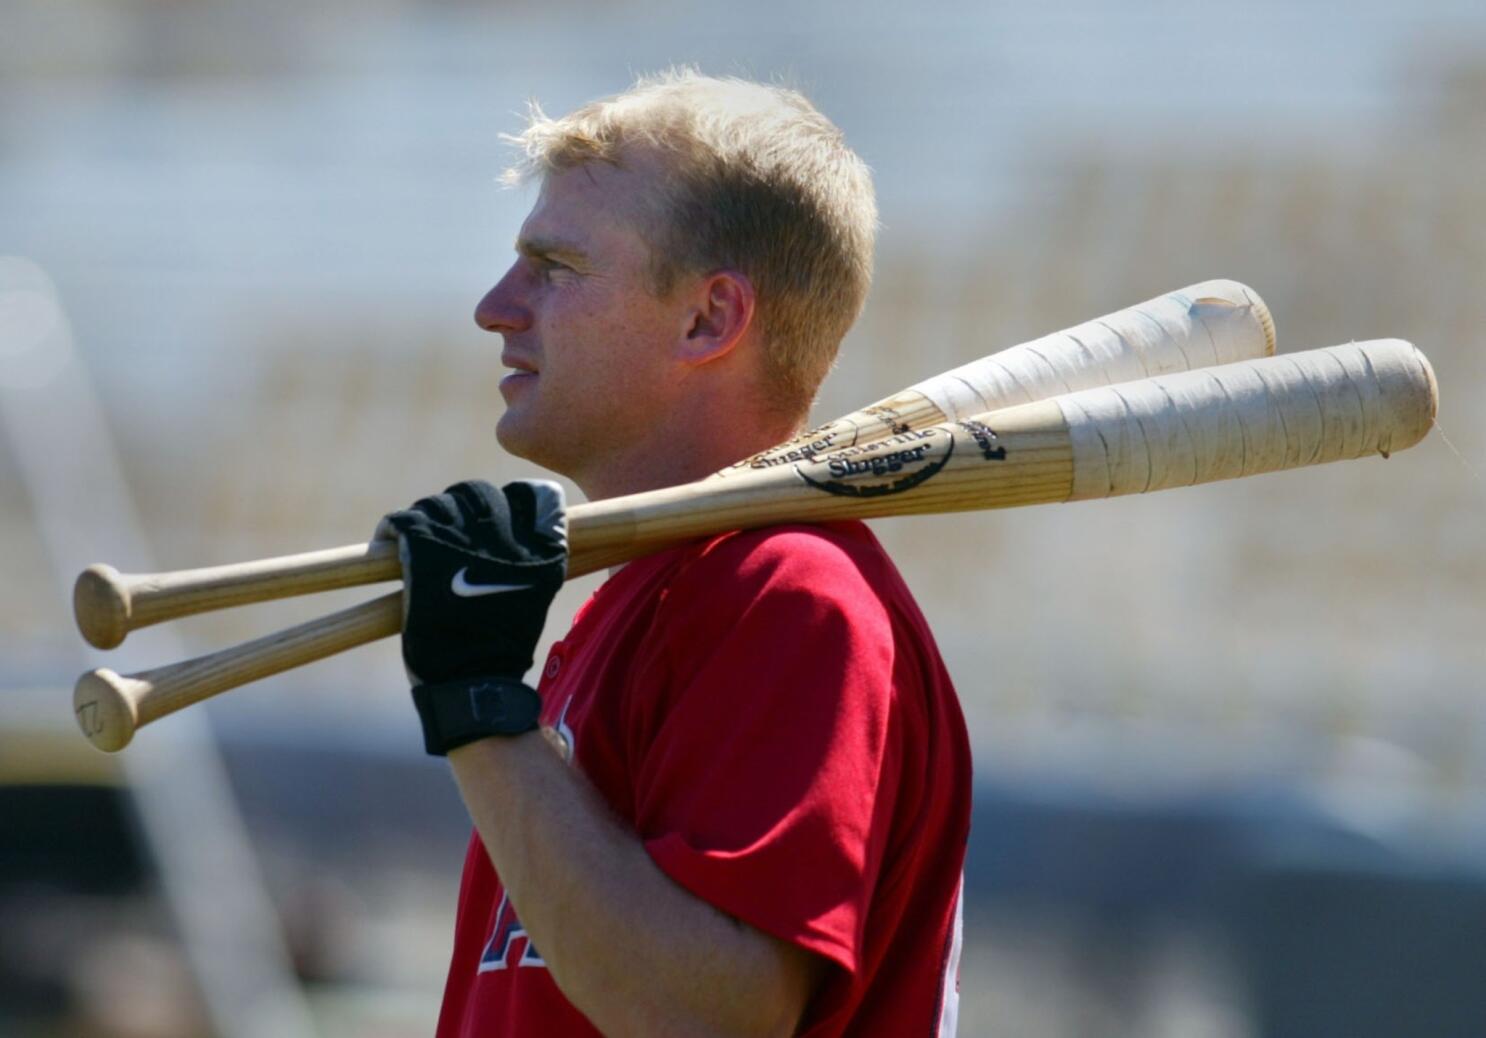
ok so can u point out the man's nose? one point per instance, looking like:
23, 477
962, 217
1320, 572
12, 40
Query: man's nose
501, 310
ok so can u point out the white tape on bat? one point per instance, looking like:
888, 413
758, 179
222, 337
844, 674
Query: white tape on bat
1240, 419
1213, 322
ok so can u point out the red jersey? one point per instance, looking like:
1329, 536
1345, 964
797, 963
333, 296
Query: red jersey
768, 711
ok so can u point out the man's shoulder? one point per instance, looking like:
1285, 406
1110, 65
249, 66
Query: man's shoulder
839, 566
724, 570
792, 553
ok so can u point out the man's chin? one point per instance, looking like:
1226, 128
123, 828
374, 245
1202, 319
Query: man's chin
522, 438
511, 435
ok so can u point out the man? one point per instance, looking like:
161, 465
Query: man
749, 812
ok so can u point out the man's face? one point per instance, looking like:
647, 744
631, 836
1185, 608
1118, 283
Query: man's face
592, 352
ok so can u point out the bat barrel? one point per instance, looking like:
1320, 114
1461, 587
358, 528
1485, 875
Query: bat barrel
1208, 324
1283, 412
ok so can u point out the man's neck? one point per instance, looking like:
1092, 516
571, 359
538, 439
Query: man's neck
670, 459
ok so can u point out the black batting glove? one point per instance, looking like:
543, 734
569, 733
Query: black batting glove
480, 568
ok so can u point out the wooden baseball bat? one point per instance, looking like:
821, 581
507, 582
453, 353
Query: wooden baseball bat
1212, 322
1170, 431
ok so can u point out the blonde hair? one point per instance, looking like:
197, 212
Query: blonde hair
756, 180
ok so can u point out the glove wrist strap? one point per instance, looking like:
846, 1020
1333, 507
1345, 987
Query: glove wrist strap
458, 712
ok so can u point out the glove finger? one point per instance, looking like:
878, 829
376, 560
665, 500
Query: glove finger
405, 523
388, 529
477, 499
441, 509
538, 521
551, 519
486, 513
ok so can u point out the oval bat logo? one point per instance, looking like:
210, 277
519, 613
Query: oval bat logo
891, 466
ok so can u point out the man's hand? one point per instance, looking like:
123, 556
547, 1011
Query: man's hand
480, 569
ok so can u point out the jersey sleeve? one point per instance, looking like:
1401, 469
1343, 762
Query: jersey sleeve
768, 766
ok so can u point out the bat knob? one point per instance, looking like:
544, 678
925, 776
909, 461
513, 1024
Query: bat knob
100, 604
105, 711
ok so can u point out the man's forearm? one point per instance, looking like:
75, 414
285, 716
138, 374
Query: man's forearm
634, 951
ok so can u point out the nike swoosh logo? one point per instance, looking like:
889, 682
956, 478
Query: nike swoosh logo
464, 589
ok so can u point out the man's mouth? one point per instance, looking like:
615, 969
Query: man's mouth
518, 365
522, 370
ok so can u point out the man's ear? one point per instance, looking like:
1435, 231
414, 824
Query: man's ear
720, 317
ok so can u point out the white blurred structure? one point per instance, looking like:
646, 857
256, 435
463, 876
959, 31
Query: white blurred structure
71, 479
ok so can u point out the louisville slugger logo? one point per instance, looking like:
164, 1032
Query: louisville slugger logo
787, 454
900, 461
807, 446
882, 465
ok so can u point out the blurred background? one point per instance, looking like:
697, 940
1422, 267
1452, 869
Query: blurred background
1230, 746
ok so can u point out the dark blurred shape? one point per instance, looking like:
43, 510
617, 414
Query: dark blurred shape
1327, 932
351, 808
86, 946
80, 838
1345, 950
1128, 860
72, 869
357, 841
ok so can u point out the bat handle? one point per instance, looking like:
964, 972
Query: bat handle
110, 707
108, 604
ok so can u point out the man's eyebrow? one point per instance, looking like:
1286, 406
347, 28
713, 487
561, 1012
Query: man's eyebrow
549, 248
